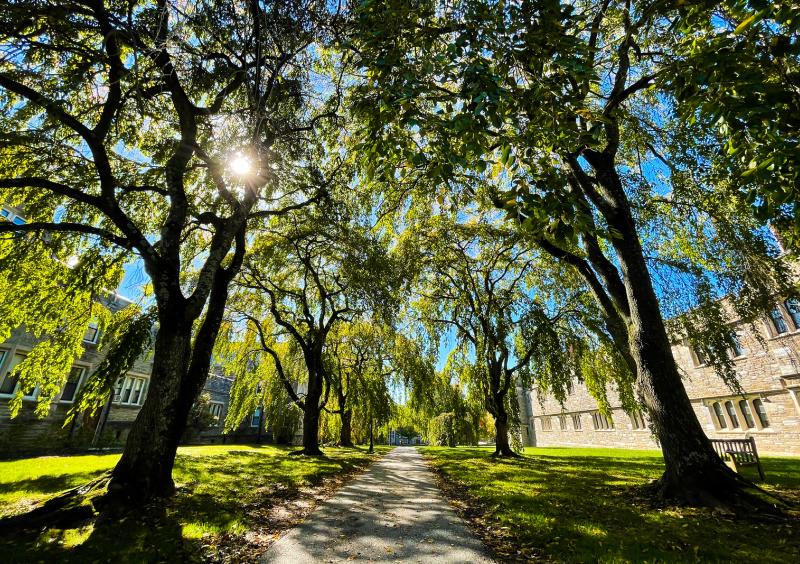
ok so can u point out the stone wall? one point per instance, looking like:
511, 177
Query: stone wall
769, 373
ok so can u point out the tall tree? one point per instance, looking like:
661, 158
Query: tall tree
479, 279
553, 102
313, 271
163, 130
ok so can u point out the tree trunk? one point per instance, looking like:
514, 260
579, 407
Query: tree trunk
180, 369
345, 434
311, 408
145, 469
371, 443
694, 473
502, 445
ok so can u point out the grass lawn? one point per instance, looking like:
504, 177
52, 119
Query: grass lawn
569, 504
225, 492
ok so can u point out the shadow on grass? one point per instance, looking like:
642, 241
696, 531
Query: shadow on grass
584, 508
218, 493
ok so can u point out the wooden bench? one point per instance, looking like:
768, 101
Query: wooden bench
742, 452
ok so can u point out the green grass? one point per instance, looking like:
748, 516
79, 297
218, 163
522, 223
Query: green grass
221, 489
577, 505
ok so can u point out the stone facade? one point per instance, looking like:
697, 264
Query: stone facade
30, 434
769, 410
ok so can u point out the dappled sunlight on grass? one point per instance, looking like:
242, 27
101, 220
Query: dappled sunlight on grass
579, 505
218, 486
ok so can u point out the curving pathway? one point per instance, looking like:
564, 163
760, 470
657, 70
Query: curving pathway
391, 513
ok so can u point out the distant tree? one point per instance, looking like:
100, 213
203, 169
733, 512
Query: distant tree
481, 280
311, 272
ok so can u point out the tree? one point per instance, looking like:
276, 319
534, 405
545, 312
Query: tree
552, 102
119, 123
737, 71
313, 271
480, 279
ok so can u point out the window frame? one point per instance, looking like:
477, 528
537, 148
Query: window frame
763, 419
95, 339
120, 388
216, 404
253, 419
733, 417
577, 422
78, 383
5, 371
776, 317
792, 307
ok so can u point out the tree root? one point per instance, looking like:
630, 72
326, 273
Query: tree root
306, 452
725, 492
67, 508
509, 454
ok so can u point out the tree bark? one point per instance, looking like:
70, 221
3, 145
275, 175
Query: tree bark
345, 434
502, 445
694, 473
145, 469
311, 406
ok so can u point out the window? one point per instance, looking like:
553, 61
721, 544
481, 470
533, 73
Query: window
601, 421
778, 322
10, 379
793, 307
130, 390
761, 412
732, 414
744, 407
215, 409
576, 422
700, 356
737, 348
637, 420
547, 424
255, 421
562, 422
720, 417
92, 332
71, 386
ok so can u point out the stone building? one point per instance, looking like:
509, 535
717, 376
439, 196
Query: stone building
30, 434
769, 410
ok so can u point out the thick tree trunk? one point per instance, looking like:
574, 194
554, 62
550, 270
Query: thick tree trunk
180, 369
311, 408
345, 434
145, 469
502, 445
694, 473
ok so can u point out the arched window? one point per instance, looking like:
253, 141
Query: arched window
732, 414
720, 416
793, 307
761, 412
744, 407
778, 322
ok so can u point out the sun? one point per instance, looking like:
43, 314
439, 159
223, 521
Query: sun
240, 165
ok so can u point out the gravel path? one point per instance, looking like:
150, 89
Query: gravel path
391, 513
